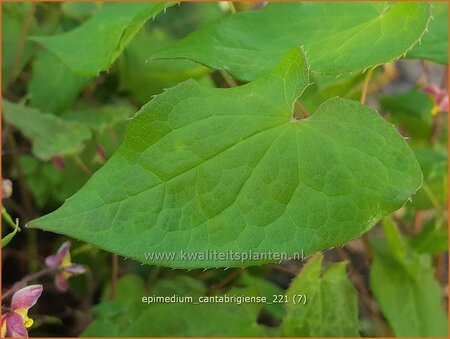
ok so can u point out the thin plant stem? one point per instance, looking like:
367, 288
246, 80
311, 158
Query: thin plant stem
444, 79
436, 128
25, 280
284, 270
418, 219
26, 199
22, 182
153, 275
232, 7
365, 86
113, 136
83, 166
9, 220
366, 244
431, 196
302, 109
424, 73
32, 242
20, 47
439, 266
16, 208
114, 275
226, 281
228, 79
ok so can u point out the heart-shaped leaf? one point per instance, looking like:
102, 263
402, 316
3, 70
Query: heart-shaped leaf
228, 176
321, 304
411, 278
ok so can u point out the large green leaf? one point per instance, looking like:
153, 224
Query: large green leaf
49, 134
207, 169
434, 45
398, 273
249, 43
96, 44
331, 308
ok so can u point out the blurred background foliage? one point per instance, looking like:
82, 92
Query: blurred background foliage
60, 127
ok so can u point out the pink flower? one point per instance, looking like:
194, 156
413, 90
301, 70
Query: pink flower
439, 97
58, 162
101, 152
62, 261
6, 188
16, 322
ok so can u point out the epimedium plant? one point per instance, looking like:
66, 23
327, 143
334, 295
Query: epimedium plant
208, 195
287, 158
234, 170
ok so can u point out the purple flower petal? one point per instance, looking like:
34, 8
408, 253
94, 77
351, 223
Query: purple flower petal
53, 261
15, 327
439, 97
26, 297
58, 162
75, 269
3, 325
61, 282
431, 89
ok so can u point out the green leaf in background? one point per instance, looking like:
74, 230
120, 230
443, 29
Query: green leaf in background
267, 289
100, 118
113, 318
250, 43
46, 183
434, 44
404, 286
433, 237
41, 178
49, 134
142, 79
53, 87
331, 308
206, 169
323, 88
49, 185
411, 110
80, 10
203, 320
96, 44
188, 17
434, 164
13, 18
15, 226
128, 316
